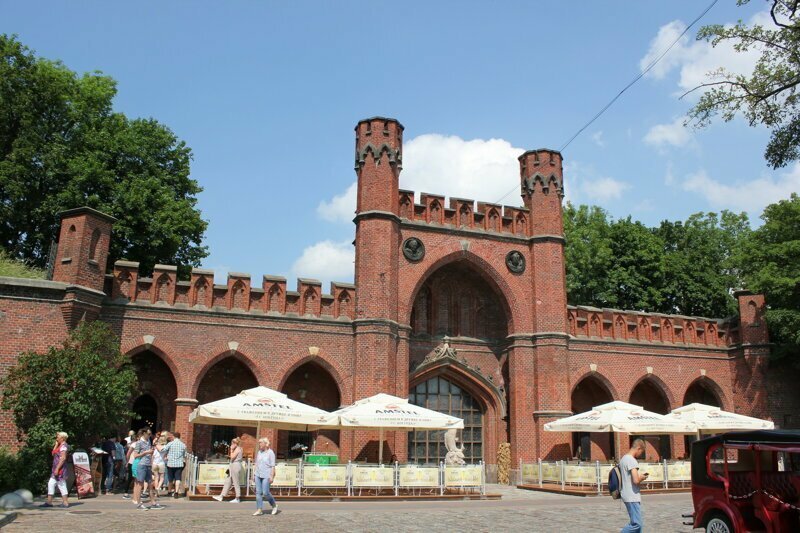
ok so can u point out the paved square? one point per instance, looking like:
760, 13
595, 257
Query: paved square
518, 510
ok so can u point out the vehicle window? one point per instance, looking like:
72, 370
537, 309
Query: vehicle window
717, 462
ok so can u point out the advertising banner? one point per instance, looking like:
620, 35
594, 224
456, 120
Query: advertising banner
419, 476
551, 472
656, 471
212, 473
462, 476
679, 471
585, 474
530, 473
605, 470
372, 476
285, 475
324, 475
83, 474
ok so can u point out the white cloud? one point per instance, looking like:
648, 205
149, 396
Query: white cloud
326, 261
751, 196
674, 134
584, 185
597, 138
341, 208
483, 170
696, 59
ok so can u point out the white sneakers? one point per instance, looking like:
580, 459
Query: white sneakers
258, 512
275, 509
218, 498
235, 500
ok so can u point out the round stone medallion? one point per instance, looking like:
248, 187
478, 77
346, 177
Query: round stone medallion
515, 262
413, 249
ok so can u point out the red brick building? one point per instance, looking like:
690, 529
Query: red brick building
460, 306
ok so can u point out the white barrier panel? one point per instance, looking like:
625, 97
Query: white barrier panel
530, 473
215, 474
551, 472
585, 474
656, 471
679, 471
285, 476
463, 476
605, 470
418, 477
371, 476
324, 476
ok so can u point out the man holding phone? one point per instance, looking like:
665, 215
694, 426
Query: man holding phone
629, 489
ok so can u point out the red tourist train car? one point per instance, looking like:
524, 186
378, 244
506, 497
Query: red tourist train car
747, 481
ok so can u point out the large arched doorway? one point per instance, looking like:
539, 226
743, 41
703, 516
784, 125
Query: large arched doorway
588, 393
145, 413
650, 395
227, 377
456, 301
440, 394
700, 391
311, 384
155, 403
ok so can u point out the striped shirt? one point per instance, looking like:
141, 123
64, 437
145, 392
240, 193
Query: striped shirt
174, 453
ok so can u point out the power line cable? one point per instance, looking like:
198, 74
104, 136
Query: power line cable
647, 69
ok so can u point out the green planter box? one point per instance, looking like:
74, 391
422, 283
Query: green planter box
321, 458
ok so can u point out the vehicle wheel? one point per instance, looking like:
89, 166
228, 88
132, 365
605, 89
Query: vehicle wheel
719, 524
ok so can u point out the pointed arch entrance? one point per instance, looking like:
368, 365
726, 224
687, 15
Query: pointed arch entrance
155, 405
650, 394
223, 379
590, 392
312, 384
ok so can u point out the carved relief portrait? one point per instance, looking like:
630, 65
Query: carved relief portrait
515, 262
413, 249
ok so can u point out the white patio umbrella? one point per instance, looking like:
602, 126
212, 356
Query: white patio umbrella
621, 417
261, 406
387, 412
708, 418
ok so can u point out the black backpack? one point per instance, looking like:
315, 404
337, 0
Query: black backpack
615, 482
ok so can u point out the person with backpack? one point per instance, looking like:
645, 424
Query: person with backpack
629, 480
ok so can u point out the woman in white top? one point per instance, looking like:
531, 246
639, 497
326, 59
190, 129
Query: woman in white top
234, 473
159, 467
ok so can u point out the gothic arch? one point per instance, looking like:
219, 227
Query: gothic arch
480, 266
130, 352
236, 354
326, 365
604, 381
659, 386
711, 386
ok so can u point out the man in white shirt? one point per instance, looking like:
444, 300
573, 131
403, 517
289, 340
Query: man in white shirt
629, 486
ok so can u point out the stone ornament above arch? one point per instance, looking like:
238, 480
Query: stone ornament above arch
446, 356
413, 249
515, 262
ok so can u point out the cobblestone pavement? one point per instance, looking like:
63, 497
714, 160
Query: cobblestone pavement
518, 510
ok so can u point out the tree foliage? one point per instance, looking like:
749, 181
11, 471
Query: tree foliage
769, 95
770, 263
62, 146
82, 387
679, 267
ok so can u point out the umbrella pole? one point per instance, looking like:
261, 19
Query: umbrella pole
258, 432
380, 447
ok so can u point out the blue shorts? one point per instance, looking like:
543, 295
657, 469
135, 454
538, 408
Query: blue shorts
174, 473
144, 473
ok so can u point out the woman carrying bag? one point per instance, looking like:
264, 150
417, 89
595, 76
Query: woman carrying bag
234, 473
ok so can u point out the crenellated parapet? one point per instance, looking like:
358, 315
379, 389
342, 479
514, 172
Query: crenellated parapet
236, 296
618, 325
462, 213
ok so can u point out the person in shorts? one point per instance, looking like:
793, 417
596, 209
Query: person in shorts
143, 461
174, 454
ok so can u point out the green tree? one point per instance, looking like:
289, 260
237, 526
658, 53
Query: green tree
587, 230
770, 263
699, 270
82, 387
768, 96
636, 275
63, 146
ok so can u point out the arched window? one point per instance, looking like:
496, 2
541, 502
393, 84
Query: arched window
93, 245
444, 396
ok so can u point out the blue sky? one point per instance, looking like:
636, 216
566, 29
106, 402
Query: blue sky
267, 95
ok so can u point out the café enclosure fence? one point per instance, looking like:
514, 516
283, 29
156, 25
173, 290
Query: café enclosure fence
350, 479
664, 474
